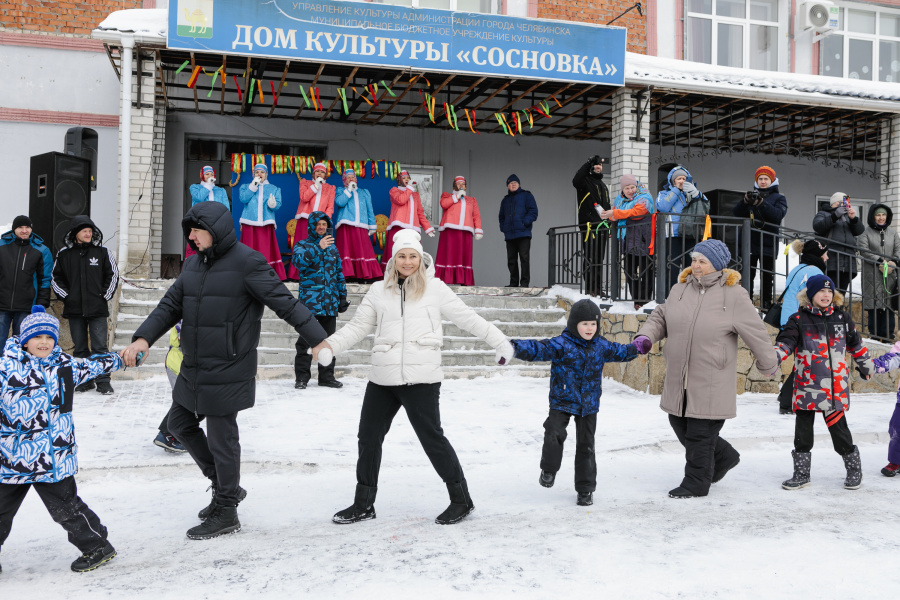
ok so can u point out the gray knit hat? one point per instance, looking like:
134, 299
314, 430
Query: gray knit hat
716, 251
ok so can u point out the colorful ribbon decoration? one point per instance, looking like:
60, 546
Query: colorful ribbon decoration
343, 94
303, 93
238, 86
193, 80
274, 95
250, 91
259, 87
181, 68
385, 86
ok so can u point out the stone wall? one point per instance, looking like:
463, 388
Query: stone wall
647, 373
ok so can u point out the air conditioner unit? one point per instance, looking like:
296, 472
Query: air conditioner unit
821, 15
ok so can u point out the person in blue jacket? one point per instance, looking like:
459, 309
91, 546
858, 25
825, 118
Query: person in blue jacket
322, 290
208, 190
679, 192
261, 199
577, 357
26, 270
518, 211
813, 256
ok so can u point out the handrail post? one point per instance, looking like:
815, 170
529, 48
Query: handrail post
551, 258
661, 252
745, 262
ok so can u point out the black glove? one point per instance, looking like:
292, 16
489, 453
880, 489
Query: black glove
595, 160
343, 306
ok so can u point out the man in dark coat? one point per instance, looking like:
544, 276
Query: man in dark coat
591, 193
840, 225
219, 296
322, 290
765, 206
25, 271
85, 277
518, 211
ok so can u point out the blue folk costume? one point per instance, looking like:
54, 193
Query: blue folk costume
258, 220
204, 191
354, 222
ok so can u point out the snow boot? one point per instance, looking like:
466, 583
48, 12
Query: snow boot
91, 560
802, 465
585, 498
547, 479
854, 470
205, 512
460, 504
681, 493
362, 509
222, 520
105, 388
890, 470
728, 465
86, 386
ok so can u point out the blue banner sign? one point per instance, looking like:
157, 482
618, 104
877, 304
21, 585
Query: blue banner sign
424, 39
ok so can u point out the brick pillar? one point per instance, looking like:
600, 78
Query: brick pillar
630, 148
145, 189
890, 166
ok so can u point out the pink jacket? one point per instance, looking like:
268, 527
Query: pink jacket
311, 201
463, 214
407, 211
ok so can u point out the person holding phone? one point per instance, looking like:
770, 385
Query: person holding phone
322, 290
840, 225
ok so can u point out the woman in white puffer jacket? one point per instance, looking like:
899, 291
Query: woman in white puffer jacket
405, 312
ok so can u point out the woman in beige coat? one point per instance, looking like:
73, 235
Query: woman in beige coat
702, 318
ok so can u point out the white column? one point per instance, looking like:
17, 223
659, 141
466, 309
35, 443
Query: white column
630, 152
125, 150
890, 166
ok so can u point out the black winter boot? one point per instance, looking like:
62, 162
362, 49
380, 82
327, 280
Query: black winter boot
460, 504
585, 498
205, 512
92, 560
362, 509
854, 470
802, 465
721, 470
681, 493
547, 479
222, 520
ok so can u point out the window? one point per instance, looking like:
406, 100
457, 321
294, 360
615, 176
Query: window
732, 33
866, 45
475, 6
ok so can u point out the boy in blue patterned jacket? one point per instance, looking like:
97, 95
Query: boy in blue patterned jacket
37, 435
576, 375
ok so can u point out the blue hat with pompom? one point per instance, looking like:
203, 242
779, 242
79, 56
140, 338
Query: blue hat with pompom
39, 322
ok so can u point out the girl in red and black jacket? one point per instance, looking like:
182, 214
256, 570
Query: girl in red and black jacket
819, 335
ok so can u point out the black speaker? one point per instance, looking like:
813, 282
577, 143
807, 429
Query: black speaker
60, 188
83, 142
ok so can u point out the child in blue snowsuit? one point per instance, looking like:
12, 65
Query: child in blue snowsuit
890, 361
576, 374
37, 435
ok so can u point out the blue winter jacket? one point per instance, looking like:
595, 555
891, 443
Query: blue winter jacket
37, 435
254, 213
19, 293
201, 194
672, 200
321, 287
357, 211
518, 211
796, 281
576, 372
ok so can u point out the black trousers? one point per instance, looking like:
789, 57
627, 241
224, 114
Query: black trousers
639, 273
767, 286
421, 402
703, 448
217, 452
85, 530
841, 279
882, 322
678, 245
519, 250
303, 361
786, 395
841, 437
585, 458
94, 329
594, 249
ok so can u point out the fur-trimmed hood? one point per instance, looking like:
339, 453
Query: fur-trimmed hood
731, 277
803, 299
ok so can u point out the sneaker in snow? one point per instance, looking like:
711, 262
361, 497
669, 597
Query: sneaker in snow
890, 470
92, 560
585, 498
168, 443
547, 479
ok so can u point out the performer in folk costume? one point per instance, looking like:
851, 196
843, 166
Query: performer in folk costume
460, 222
315, 195
261, 199
354, 222
206, 190
406, 213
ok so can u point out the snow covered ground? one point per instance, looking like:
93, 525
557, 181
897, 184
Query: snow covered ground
747, 539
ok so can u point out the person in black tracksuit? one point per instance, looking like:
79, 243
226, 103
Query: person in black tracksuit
591, 192
219, 297
85, 278
25, 267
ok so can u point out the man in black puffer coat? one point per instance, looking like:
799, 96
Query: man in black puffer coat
85, 277
219, 297
591, 192
839, 226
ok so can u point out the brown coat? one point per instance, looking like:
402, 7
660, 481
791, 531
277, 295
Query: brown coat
702, 320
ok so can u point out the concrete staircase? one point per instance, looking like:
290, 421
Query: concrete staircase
518, 312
